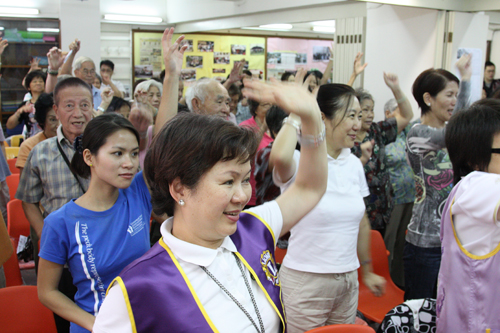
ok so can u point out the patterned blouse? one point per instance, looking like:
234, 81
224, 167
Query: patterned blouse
264, 186
379, 204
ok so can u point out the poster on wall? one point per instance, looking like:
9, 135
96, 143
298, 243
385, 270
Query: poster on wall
143, 71
321, 53
218, 70
194, 61
238, 49
221, 58
301, 58
274, 57
205, 46
151, 54
257, 49
189, 43
188, 74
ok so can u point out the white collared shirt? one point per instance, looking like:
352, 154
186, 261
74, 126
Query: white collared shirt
224, 313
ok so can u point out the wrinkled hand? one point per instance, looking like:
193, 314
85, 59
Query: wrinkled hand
235, 74
358, 67
107, 95
464, 66
34, 64
141, 117
3, 44
75, 46
55, 58
172, 53
391, 80
141, 96
366, 151
375, 283
106, 79
292, 98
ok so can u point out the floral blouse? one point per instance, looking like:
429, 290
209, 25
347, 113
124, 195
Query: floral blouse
379, 203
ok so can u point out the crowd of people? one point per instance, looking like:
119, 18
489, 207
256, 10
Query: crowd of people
166, 211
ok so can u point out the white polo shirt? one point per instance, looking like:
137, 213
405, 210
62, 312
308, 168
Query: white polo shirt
224, 313
325, 240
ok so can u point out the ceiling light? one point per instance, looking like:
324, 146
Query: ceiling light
329, 30
329, 23
18, 11
43, 29
130, 18
2, 28
280, 26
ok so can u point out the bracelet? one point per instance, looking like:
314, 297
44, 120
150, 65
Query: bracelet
364, 262
312, 140
100, 109
52, 71
401, 100
292, 122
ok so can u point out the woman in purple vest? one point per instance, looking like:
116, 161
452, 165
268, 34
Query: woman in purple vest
468, 293
214, 270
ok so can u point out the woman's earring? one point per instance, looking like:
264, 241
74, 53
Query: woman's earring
181, 202
90, 165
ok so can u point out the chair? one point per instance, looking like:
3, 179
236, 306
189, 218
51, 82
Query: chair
11, 270
375, 308
12, 166
11, 152
16, 140
342, 328
22, 312
279, 255
12, 183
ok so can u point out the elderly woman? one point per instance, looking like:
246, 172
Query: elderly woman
149, 92
214, 268
379, 203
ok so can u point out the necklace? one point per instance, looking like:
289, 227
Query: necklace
234, 298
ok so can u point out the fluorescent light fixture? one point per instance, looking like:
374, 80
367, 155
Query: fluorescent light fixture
131, 18
279, 26
43, 29
329, 23
2, 28
18, 11
329, 30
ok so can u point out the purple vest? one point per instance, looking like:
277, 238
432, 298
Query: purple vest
468, 298
161, 300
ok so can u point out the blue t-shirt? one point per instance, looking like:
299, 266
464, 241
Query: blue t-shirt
98, 245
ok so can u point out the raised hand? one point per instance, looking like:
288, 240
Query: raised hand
464, 66
235, 74
366, 151
172, 53
107, 95
106, 79
3, 44
34, 64
141, 117
75, 45
391, 80
358, 67
55, 58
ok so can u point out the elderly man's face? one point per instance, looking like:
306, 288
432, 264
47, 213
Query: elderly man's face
86, 72
216, 101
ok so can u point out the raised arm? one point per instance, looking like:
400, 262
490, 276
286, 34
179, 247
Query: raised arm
358, 68
55, 59
172, 57
328, 71
235, 74
464, 67
67, 67
405, 114
310, 183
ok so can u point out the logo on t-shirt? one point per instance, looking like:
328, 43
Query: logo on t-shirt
136, 226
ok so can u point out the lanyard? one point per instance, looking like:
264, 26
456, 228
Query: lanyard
67, 163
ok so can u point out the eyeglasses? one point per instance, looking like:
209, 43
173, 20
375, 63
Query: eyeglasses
87, 72
495, 150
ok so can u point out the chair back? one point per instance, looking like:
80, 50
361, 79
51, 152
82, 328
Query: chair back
22, 312
11, 152
11, 269
12, 166
279, 255
13, 183
17, 223
16, 140
343, 328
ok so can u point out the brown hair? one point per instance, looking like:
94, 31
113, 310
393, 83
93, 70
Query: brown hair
187, 147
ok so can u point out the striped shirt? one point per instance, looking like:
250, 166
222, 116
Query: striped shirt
46, 178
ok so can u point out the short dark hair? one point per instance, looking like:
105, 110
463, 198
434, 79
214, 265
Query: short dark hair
187, 147
32, 75
314, 72
43, 105
431, 81
108, 63
274, 119
488, 63
234, 90
286, 75
469, 137
94, 137
69, 83
334, 97
253, 106
116, 103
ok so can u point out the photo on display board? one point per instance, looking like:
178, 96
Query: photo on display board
143, 71
205, 46
238, 49
257, 49
218, 70
194, 61
221, 58
321, 53
274, 57
189, 43
301, 58
188, 74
